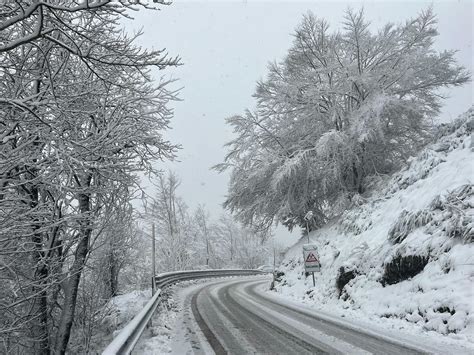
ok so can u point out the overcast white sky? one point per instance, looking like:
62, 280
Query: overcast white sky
225, 47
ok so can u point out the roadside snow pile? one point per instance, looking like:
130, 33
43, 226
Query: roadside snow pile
121, 309
157, 338
405, 257
118, 311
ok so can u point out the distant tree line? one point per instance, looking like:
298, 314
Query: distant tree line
339, 109
194, 240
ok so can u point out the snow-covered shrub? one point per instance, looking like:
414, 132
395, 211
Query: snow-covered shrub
277, 278
461, 126
344, 277
418, 169
403, 267
406, 223
279, 275
447, 138
453, 213
356, 220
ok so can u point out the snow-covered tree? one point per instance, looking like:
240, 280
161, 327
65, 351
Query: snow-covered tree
205, 244
341, 106
79, 120
238, 246
186, 241
170, 214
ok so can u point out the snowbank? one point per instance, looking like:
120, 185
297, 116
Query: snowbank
404, 256
121, 309
115, 315
157, 337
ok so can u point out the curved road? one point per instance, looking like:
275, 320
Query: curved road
234, 318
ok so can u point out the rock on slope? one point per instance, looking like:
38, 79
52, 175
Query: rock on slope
403, 257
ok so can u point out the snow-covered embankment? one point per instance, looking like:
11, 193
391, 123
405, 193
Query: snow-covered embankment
403, 257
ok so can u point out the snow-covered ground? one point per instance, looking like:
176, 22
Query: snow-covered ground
119, 311
156, 339
173, 329
426, 211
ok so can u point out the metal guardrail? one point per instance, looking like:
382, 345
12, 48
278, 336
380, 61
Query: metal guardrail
128, 337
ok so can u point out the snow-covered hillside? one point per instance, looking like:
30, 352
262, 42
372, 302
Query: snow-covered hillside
404, 256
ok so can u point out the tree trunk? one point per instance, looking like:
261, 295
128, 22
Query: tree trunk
113, 275
72, 286
39, 326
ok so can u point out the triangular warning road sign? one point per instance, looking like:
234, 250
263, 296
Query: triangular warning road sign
311, 258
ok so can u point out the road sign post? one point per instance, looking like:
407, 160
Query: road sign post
308, 216
311, 259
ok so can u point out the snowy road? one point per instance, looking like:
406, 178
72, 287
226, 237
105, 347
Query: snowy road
235, 317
